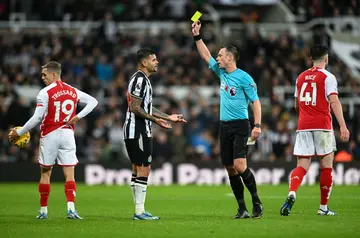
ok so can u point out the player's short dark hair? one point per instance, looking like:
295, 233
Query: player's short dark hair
52, 66
232, 50
143, 53
318, 51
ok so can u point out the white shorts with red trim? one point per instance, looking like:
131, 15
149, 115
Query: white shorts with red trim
58, 146
311, 143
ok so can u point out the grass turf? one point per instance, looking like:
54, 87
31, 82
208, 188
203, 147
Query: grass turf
185, 211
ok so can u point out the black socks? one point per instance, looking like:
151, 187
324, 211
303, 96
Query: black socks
238, 190
250, 183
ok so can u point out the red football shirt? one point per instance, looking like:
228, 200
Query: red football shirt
61, 101
313, 87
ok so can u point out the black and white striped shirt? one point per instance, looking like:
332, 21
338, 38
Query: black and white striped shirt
135, 126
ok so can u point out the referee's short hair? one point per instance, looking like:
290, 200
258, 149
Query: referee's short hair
143, 53
232, 50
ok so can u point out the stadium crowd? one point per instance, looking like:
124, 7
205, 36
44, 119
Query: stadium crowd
309, 9
93, 10
102, 65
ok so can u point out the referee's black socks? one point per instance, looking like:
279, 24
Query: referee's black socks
238, 190
250, 183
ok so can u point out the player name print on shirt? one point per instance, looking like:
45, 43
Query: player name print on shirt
63, 92
310, 77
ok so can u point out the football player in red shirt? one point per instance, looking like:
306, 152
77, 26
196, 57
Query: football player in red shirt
56, 107
315, 94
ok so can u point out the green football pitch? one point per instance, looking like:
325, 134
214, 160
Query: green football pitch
185, 211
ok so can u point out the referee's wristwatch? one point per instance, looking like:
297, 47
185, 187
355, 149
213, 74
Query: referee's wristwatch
257, 125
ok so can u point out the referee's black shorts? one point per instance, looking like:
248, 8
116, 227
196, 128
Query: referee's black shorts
233, 140
140, 150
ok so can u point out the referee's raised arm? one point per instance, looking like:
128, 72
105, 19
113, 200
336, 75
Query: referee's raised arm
203, 50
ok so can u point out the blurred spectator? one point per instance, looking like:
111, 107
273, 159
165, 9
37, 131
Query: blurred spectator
321, 36
162, 149
309, 9
178, 143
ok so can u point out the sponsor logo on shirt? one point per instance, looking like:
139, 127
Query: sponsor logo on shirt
222, 86
137, 89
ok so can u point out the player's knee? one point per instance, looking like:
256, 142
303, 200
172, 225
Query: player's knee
304, 162
69, 177
327, 161
45, 175
133, 168
326, 165
231, 170
45, 179
143, 171
240, 165
69, 173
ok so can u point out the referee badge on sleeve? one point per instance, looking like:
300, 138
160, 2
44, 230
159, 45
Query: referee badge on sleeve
232, 91
253, 85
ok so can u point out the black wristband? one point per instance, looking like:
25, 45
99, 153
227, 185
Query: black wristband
198, 37
257, 125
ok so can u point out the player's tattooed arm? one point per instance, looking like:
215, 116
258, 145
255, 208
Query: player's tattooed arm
135, 107
173, 117
159, 114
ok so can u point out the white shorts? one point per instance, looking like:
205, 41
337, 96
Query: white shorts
58, 146
311, 143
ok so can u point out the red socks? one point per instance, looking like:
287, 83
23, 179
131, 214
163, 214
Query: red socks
44, 190
325, 185
326, 181
296, 178
70, 191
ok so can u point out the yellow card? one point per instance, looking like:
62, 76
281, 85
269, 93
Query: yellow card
196, 16
250, 141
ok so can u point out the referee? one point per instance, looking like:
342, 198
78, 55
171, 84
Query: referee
237, 88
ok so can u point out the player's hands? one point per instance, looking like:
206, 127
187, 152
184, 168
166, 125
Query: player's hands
73, 121
162, 123
177, 118
255, 133
13, 135
195, 28
344, 134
